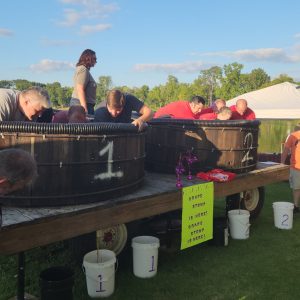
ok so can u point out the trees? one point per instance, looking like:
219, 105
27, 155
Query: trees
142, 92
7, 84
230, 81
103, 86
280, 79
216, 82
59, 96
253, 81
208, 81
169, 91
22, 84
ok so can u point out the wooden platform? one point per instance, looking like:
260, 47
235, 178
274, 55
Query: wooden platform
26, 228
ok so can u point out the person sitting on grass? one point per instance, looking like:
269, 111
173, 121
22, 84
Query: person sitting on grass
17, 169
75, 114
292, 147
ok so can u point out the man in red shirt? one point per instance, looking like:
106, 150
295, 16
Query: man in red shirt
184, 109
216, 107
224, 113
241, 111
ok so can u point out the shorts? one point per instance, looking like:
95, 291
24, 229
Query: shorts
294, 179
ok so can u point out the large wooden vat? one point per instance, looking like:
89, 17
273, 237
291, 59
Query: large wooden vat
229, 145
77, 163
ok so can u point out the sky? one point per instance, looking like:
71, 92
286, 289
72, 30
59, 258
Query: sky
141, 42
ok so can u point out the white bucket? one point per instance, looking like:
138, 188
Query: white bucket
100, 276
283, 215
145, 256
239, 223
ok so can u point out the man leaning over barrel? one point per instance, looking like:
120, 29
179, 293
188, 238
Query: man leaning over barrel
118, 108
24, 105
184, 109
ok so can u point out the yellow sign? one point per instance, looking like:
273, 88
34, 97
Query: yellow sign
197, 214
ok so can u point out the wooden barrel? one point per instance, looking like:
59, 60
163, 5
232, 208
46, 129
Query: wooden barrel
229, 145
77, 163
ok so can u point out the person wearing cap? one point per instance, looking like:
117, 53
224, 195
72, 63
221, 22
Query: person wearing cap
118, 108
184, 109
24, 105
241, 111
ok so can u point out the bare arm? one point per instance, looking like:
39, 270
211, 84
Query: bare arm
146, 115
284, 154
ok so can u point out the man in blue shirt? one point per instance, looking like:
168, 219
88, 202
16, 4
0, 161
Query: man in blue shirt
119, 107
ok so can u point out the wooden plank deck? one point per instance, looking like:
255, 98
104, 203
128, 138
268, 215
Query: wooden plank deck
26, 228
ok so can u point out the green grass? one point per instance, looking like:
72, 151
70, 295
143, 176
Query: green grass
265, 266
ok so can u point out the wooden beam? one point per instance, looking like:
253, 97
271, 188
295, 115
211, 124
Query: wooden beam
24, 236
29, 236
257, 178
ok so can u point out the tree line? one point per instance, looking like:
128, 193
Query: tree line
216, 82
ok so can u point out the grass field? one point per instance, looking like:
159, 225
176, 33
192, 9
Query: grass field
265, 266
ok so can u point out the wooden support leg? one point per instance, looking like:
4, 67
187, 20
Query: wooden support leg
21, 276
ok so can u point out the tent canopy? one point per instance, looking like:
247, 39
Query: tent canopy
280, 101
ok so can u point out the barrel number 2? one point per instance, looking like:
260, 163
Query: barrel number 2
248, 142
109, 148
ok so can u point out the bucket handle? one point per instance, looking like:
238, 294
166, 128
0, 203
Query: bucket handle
248, 228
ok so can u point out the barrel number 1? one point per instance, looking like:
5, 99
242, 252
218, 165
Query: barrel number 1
109, 148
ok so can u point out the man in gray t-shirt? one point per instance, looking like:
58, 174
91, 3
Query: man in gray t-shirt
23, 106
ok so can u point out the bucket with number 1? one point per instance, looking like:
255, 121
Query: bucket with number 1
145, 256
99, 269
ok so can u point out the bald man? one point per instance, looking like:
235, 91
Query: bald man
241, 111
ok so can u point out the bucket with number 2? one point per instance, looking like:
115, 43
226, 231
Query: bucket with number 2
283, 215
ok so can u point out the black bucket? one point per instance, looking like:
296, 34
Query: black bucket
220, 232
56, 283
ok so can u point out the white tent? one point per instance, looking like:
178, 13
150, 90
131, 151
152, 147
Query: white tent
280, 101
